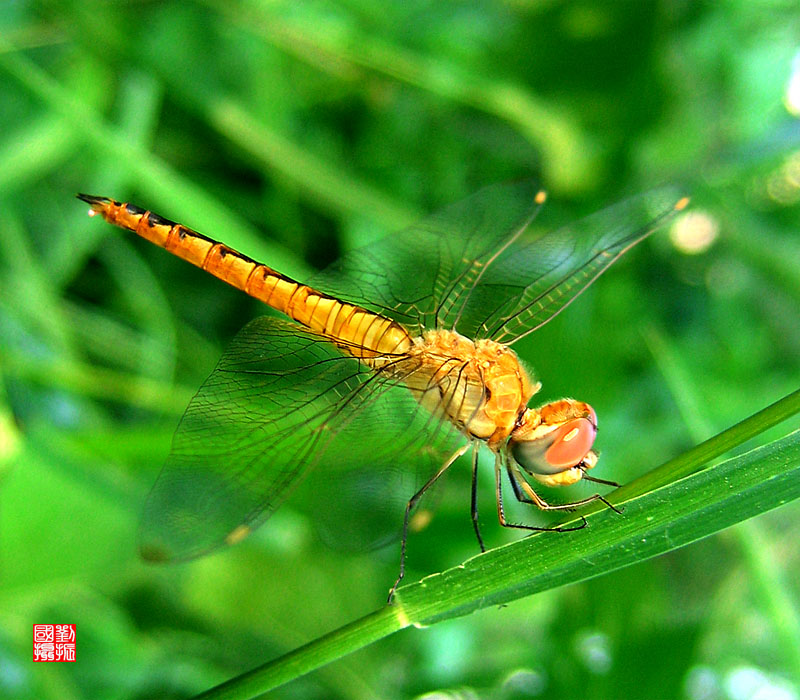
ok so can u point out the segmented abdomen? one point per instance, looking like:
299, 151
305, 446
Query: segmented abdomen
362, 333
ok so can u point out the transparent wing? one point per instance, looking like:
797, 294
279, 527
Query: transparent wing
475, 267
537, 277
280, 401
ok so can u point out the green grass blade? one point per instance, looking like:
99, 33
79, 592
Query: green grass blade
333, 185
656, 522
762, 563
97, 382
335, 188
700, 455
159, 183
324, 650
567, 160
34, 149
653, 524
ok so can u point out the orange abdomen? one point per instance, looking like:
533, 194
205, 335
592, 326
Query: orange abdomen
362, 333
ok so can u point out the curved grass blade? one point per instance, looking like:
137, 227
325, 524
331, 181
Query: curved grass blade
654, 523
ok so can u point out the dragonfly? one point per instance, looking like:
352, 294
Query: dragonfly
400, 352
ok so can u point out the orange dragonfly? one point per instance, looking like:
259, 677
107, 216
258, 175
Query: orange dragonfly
405, 356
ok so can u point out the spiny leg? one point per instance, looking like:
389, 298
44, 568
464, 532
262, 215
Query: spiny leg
521, 497
410, 506
530, 496
474, 503
595, 480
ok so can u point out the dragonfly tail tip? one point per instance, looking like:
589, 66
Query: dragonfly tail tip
97, 204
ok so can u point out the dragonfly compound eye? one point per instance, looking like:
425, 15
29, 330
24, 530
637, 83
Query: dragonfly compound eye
558, 450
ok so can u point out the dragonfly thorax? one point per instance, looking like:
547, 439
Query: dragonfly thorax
479, 386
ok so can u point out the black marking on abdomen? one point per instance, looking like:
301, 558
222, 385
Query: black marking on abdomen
156, 220
134, 210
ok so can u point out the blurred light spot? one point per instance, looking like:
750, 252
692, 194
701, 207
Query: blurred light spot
748, 683
792, 169
10, 439
694, 232
781, 190
288, 532
702, 683
460, 694
791, 97
594, 650
783, 186
525, 682
448, 650
420, 520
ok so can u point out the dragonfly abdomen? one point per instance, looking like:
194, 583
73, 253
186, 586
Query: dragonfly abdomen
361, 333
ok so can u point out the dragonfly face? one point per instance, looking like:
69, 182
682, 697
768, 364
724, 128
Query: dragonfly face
553, 444
399, 352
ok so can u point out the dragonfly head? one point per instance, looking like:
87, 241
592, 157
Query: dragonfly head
554, 443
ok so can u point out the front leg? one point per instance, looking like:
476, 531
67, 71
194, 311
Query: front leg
498, 477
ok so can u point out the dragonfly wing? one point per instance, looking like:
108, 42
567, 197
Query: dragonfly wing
538, 276
420, 275
475, 267
280, 401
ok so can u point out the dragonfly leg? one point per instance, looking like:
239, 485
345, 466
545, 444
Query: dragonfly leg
605, 482
523, 498
474, 503
518, 494
530, 496
410, 506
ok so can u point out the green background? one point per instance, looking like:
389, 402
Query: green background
295, 131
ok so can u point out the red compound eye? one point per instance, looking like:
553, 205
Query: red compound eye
570, 444
559, 450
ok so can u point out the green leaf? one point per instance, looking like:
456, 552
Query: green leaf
656, 522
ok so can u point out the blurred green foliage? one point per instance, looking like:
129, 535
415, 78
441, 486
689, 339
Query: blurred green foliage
294, 131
